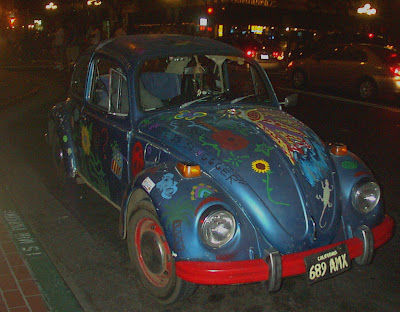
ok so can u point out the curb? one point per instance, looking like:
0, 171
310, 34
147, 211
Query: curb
8, 101
56, 293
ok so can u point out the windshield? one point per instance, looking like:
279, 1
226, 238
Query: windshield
186, 80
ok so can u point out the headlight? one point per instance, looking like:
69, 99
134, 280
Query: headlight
365, 196
218, 228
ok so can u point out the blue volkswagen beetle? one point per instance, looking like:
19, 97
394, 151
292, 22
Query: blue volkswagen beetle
214, 182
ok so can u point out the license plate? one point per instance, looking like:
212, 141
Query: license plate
327, 263
264, 56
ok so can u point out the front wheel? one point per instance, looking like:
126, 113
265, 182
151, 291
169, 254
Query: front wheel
152, 258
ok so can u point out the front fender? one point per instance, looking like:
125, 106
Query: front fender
180, 203
351, 170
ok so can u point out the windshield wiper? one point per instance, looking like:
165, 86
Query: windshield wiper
194, 101
204, 98
242, 98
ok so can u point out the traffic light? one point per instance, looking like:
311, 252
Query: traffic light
12, 22
210, 10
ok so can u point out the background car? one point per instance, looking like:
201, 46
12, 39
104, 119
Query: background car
269, 54
214, 183
323, 41
363, 69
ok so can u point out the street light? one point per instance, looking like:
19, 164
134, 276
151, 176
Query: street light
366, 9
94, 2
51, 6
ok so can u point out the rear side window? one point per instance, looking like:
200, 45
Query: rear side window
386, 54
109, 90
118, 93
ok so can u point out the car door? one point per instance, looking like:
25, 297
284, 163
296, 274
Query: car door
103, 129
322, 66
352, 66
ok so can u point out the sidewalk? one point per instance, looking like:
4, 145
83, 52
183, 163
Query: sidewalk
29, 280
18, 289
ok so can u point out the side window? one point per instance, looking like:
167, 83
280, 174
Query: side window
78, 83
331, 54
109, 88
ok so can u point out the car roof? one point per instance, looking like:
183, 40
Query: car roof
130, 50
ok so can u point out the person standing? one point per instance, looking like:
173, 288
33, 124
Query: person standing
120, 30
94, 35
72, 45
59, 47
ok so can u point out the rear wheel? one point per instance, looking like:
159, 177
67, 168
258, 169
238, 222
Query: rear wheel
299, 79
64, 186
367, 89
152, 258
57, 156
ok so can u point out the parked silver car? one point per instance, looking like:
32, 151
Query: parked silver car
365, 69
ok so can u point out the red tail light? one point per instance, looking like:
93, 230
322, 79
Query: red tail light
395, 70
278, 55
251, 53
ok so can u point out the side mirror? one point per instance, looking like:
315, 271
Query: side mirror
290, 100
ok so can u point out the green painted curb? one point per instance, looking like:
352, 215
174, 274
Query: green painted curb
56, 293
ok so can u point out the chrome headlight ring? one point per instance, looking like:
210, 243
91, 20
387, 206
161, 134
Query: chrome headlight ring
217, 227
365, 196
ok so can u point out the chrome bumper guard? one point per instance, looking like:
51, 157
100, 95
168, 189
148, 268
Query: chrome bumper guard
274, 261
365, 235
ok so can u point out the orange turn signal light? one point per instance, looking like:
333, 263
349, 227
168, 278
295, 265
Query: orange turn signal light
338, 149
188, 170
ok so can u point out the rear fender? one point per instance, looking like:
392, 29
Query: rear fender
60, 124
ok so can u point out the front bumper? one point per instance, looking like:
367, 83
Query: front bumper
250, 271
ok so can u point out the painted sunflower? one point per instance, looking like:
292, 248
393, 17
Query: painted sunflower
85, 140
260, 166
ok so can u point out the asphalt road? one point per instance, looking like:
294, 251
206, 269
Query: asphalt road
79, 230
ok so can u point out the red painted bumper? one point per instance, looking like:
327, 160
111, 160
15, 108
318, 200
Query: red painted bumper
249, 271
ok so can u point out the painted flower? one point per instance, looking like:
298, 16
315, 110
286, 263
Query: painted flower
137, 158
260, 166
85, 140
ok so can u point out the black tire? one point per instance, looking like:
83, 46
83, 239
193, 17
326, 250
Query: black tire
299, 79
367, 89
152, 258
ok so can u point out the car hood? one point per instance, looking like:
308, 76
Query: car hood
271, 164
